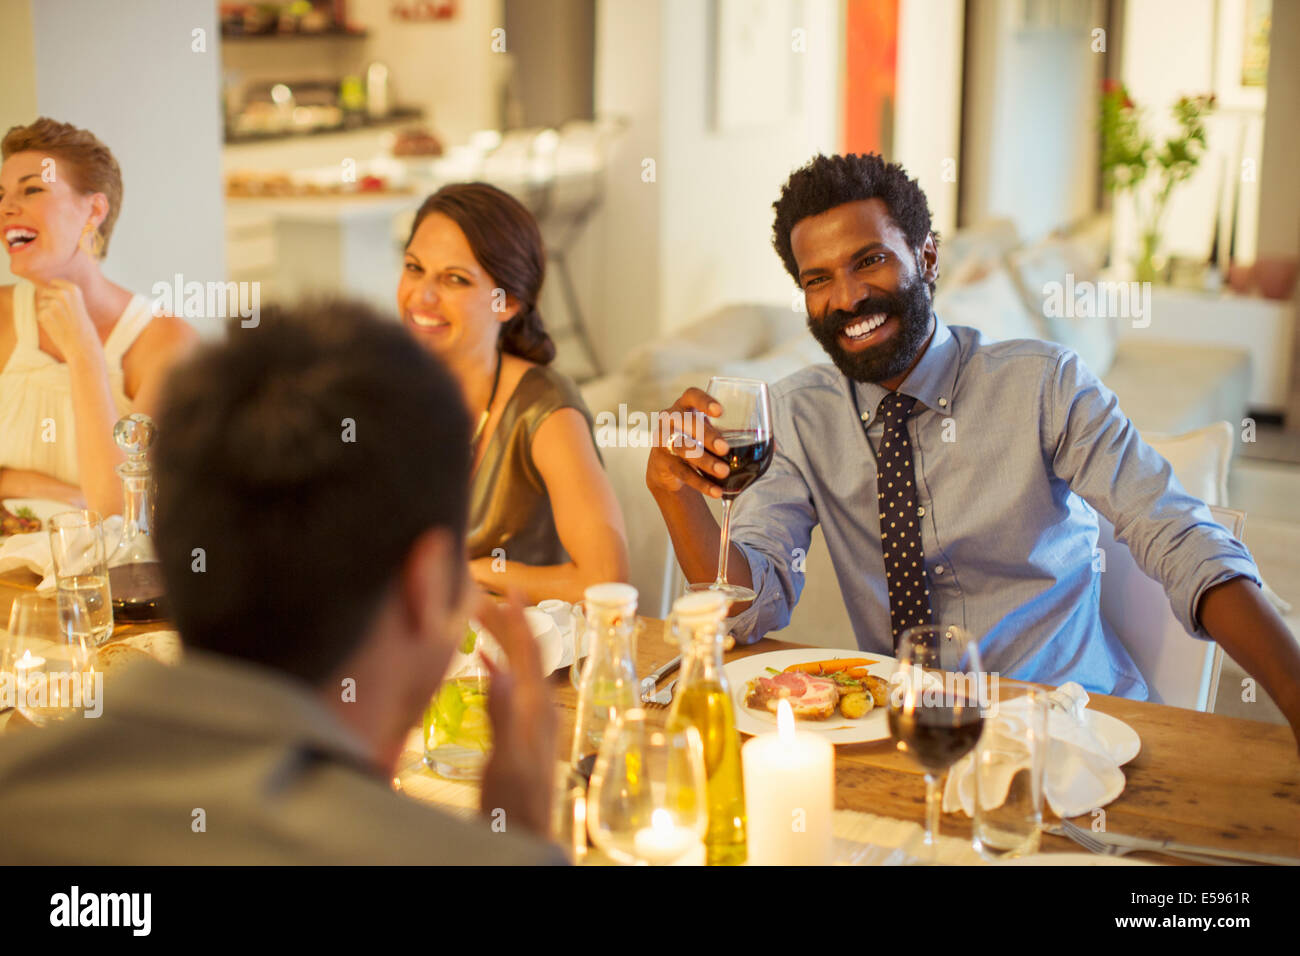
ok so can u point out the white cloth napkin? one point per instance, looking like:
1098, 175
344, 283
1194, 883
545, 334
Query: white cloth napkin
1081, 773
31, 552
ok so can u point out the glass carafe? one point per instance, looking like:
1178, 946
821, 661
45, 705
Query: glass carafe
703, 699
134, 574
608, 686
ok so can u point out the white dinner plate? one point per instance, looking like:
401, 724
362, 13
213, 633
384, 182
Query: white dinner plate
43, 508
874, 725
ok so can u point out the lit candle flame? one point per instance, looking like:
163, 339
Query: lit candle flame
661, 821
784, 720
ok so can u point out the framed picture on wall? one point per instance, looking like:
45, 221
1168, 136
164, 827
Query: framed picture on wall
752, 68
1241, 54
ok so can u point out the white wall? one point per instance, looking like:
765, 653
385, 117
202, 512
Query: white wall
136, 83
1030, 126
718, 187
927, 118
625, 232
699, 236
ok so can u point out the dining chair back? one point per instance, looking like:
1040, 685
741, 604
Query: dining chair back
1180, 669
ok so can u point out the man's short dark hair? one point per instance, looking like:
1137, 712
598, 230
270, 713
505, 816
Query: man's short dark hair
829, 181
304, 457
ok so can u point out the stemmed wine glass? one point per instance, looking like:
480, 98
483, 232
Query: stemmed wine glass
935, 712
746, 426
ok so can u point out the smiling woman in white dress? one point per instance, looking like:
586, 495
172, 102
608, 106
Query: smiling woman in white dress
77, 351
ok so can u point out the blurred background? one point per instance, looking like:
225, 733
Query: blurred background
287, 143
1063, 145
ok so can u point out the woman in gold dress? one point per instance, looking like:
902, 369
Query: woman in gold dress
543, 518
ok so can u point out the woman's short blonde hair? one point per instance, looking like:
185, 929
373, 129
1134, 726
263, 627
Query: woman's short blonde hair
88, 163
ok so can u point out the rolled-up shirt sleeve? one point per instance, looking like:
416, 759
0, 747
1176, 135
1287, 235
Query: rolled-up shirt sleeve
1172, 535
772, 523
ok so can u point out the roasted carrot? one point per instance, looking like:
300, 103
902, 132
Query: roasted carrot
858, 673
821, 668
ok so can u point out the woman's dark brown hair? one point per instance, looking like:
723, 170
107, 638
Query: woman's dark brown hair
505, 240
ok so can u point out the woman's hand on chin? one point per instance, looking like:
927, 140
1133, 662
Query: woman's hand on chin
61, 311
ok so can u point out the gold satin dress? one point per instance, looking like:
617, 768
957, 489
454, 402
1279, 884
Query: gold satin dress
508, 504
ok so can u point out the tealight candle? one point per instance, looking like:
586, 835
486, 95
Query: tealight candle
26, 666
789, 795
664, 842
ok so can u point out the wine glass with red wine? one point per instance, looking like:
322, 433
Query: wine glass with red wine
746, 427
936, 701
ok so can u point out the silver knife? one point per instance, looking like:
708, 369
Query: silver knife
650, 680
1174, 848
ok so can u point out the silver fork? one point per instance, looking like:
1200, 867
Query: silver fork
1090, 842
1103, 848
663, 698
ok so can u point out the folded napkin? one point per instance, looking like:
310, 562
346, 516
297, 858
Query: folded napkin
31, 552
1081, 773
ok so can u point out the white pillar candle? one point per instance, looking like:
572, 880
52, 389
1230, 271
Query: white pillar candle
789, 795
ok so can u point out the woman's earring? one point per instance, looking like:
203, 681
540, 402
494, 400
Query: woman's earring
95, 244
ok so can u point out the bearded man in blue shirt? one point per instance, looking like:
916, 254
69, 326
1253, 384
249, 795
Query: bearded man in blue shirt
995, 530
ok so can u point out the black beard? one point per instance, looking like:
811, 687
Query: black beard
910, 305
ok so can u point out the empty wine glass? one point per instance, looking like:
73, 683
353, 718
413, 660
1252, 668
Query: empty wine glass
746, 427
936, 699
647, 803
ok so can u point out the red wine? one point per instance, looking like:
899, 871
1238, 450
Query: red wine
936, 736
748, 460
137, 592
585, 766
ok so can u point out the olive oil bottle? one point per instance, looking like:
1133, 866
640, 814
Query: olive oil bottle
703, 700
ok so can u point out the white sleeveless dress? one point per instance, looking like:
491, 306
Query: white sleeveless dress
37, 427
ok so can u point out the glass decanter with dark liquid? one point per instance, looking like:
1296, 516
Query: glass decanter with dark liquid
134, 574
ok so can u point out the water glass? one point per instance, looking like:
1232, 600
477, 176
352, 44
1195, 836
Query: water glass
1009, 767
457, 729
81, 567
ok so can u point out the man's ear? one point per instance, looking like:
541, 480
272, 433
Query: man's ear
431, 584
928, 260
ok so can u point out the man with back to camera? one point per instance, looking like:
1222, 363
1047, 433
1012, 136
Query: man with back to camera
320, 461
996, 530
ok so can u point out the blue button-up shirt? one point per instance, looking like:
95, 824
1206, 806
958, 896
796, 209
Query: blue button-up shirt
1015, 443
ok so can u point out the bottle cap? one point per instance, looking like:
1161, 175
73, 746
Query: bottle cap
701, 604
611, 595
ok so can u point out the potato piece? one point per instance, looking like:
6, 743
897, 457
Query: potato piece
856, 704
879, 689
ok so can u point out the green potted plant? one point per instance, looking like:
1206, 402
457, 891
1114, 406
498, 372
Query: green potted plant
1129, 154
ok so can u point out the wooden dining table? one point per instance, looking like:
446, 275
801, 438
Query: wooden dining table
1199, 778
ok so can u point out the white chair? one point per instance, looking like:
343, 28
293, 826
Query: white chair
1180, 669
650, 552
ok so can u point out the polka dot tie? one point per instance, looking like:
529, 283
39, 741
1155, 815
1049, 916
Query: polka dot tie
900, 524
